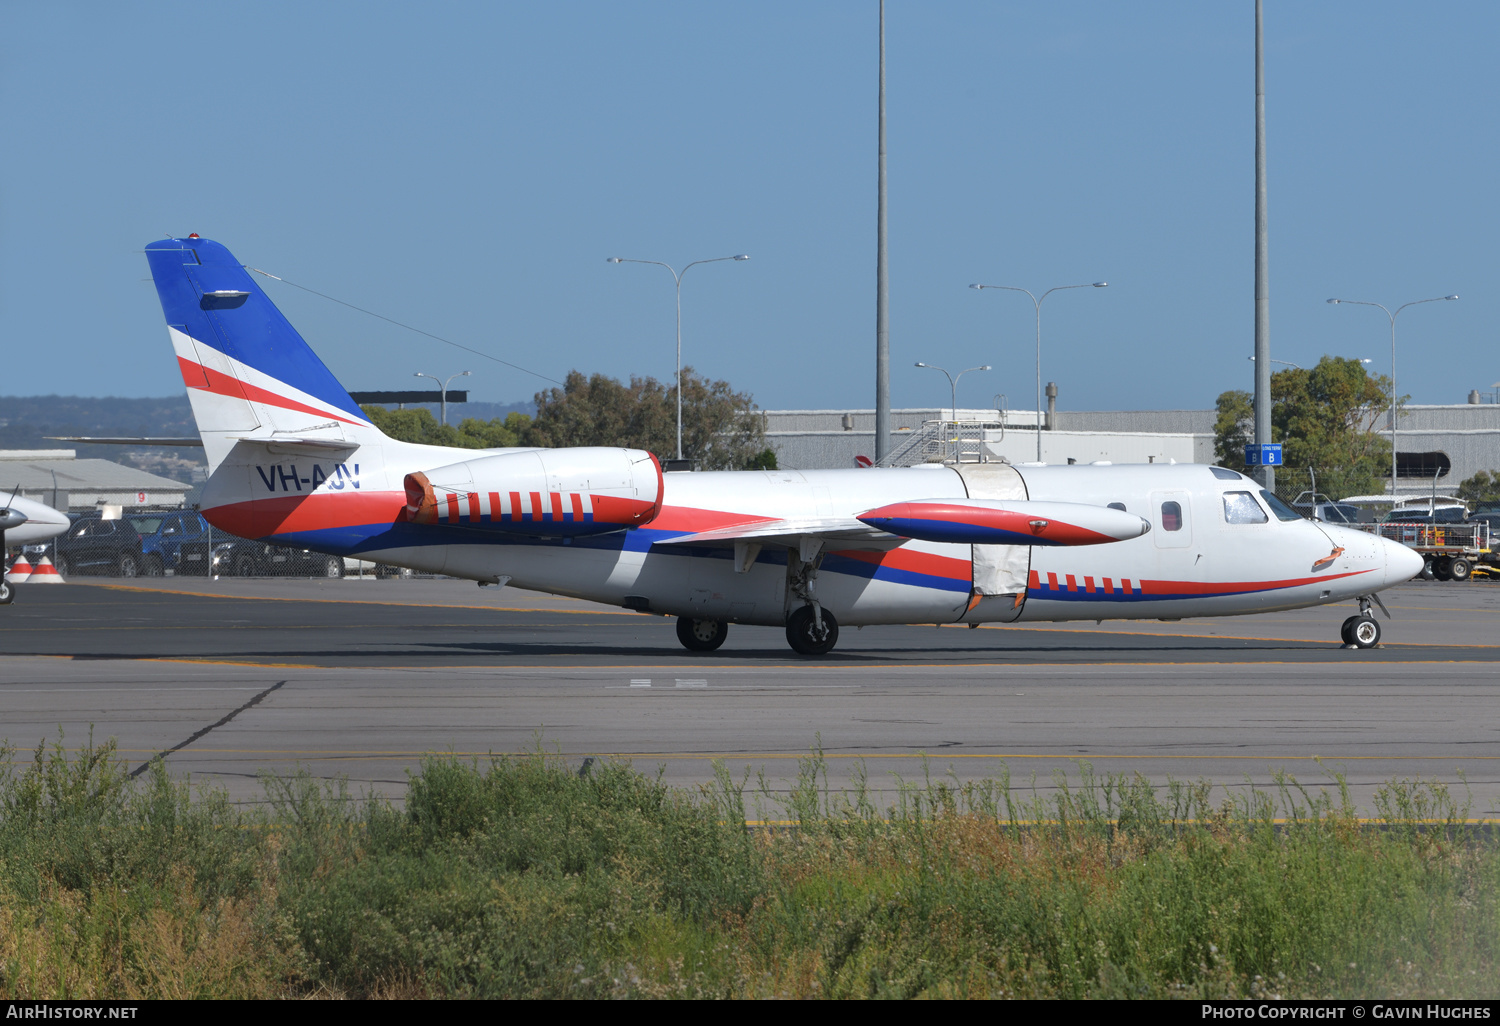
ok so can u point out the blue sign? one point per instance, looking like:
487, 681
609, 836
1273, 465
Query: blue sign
1267, 455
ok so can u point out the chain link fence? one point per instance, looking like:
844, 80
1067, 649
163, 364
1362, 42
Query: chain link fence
163, 541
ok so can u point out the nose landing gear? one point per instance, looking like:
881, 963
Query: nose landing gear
1362, 631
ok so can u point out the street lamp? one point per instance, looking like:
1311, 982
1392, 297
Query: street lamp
1282, 362
1392, 316
677, 277
443, 390
953, 383
1037, 302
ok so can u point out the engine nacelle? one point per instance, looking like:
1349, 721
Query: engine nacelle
554, 493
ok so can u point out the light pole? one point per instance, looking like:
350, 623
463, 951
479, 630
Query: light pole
677, 277
1392, 316
443, 390
1037, 302
1284, 363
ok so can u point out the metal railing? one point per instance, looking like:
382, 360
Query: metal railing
943, 441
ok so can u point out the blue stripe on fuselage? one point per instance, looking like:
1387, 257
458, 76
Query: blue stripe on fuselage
359, 538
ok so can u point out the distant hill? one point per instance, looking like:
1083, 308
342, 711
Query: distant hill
26, 421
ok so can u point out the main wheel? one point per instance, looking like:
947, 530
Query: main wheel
1459, 569
803, 636
1366, 632
1347, 630
126, 566
701, 635
7, 591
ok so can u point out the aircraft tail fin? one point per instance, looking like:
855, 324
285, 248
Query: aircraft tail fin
248, 373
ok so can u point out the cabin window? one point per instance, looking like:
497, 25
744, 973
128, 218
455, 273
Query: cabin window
1241, 508
1171, 516
1117, 505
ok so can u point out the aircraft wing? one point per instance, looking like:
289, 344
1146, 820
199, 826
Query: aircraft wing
790, 531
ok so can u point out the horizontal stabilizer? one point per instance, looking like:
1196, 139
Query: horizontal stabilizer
1006, 522
118, 440
294, 444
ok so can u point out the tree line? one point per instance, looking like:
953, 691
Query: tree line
721, 429
1326, 418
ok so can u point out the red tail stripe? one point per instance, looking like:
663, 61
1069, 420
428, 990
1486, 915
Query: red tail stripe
220, 383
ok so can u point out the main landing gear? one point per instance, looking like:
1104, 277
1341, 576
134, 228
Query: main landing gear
812, 631
701, 635
1362, 631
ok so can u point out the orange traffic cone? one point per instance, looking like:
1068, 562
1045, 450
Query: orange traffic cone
44, 573
19, 570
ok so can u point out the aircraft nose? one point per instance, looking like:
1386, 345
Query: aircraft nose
1401, 563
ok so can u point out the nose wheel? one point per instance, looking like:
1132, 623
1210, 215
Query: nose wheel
1361, 631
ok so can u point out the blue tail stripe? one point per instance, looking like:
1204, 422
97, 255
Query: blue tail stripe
251, 330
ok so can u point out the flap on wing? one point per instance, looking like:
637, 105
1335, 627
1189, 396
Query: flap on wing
830, 528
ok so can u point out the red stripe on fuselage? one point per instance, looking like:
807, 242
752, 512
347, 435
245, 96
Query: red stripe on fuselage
689, 520
1208, 589
914, 562
292, 514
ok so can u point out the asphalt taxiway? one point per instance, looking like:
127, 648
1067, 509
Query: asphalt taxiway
363, 678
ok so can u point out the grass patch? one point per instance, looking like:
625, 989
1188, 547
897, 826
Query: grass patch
520, 877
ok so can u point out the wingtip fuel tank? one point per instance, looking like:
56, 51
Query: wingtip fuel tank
1005, 522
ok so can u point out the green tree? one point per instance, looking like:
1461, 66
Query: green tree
421, 426
1233, 428
1483, 487
720, 427
1325, 418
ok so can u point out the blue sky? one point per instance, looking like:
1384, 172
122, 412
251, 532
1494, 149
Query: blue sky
468, 168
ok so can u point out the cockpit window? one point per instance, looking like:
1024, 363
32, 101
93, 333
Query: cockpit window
1117, 505
1225, 474
1281, 509
1241, 508
1171, 516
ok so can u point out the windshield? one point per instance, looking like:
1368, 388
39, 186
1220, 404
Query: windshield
1281, 509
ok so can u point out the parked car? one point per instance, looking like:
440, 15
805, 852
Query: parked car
1336, 513
244, 558
1424, 515
93, 545
176, 542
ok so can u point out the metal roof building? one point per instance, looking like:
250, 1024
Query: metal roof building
62, 481
1439, 444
